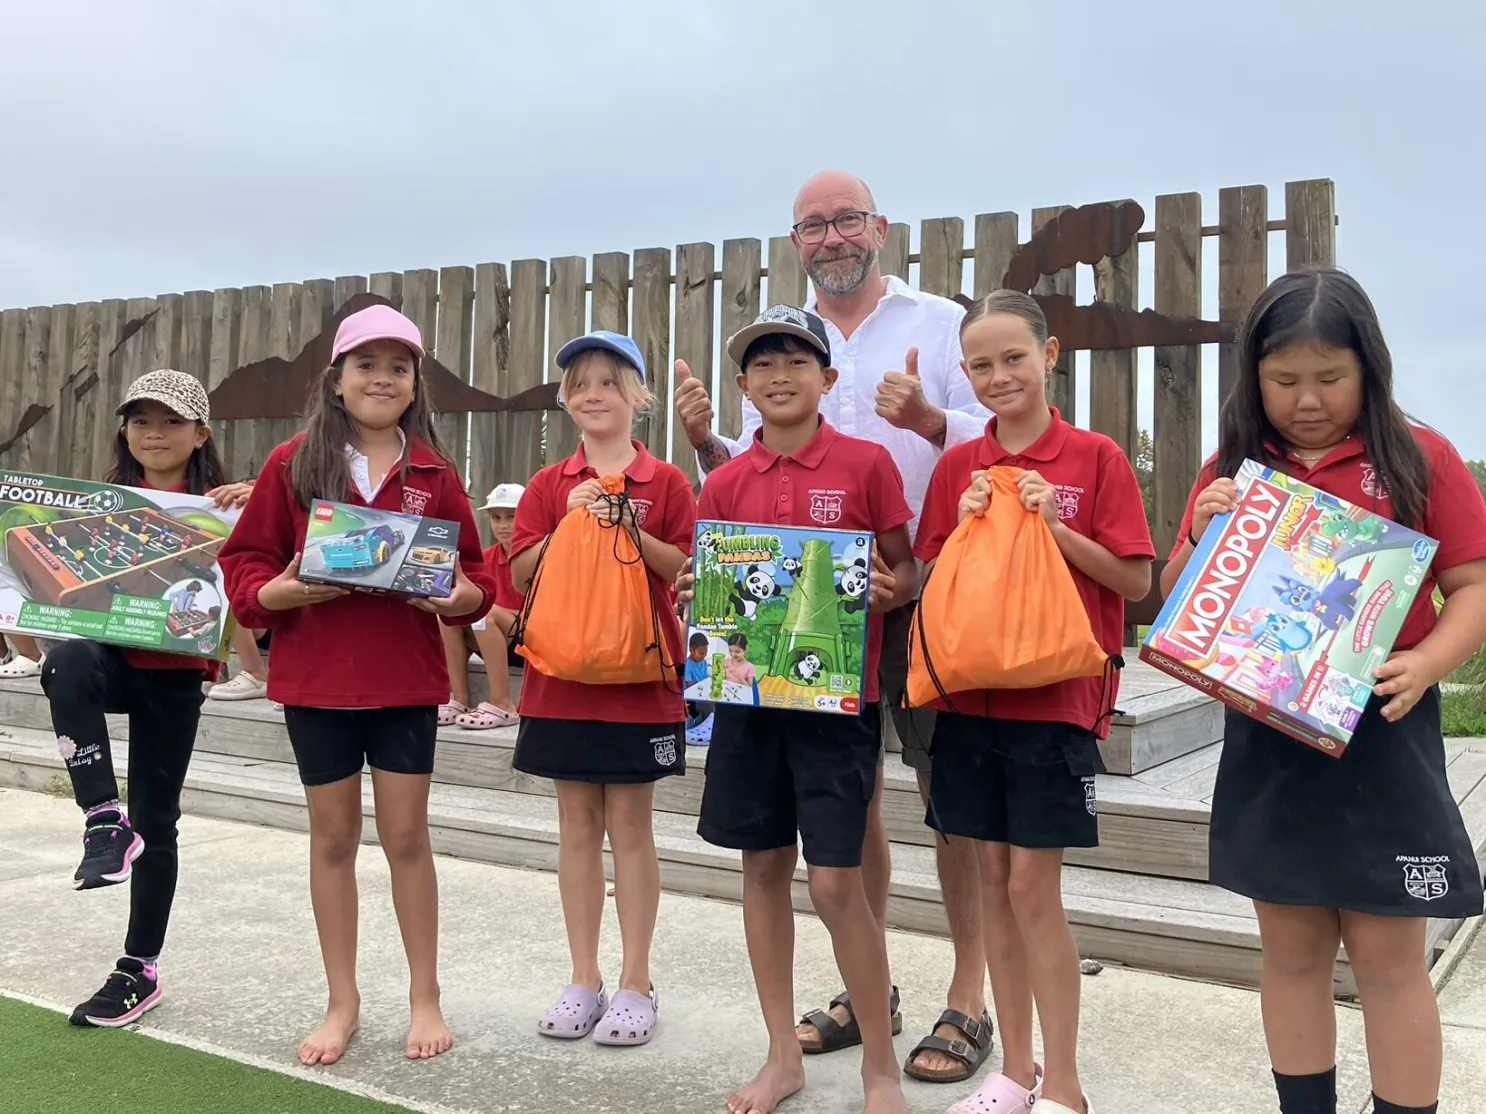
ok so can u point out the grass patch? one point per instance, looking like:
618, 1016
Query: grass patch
60, 1069
1464, 714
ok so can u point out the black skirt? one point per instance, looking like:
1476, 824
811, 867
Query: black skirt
1374, 831
603, 753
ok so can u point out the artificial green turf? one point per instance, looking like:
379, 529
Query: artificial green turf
52, 1067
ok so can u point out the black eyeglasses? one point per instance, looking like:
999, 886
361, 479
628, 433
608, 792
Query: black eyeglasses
812, 230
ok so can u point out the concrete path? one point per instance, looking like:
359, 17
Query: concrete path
242, 974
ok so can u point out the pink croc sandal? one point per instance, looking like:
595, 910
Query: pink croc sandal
450, 712
485, 717
1000, 1095
575, 1013
630, 1020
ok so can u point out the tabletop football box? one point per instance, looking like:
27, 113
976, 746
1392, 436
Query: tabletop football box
785, 604
1288, 606
126, 566
377, 551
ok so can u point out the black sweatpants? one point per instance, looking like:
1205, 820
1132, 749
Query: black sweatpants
84, 680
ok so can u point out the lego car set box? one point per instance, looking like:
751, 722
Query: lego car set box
1289, 605
125, 566
378, 551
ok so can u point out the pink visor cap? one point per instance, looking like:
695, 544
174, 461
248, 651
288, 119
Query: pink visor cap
376, 323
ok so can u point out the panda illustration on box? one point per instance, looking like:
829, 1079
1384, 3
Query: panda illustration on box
852, 587
756, 587
809, 668
791, 566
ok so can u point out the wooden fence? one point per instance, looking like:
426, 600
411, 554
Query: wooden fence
64, 368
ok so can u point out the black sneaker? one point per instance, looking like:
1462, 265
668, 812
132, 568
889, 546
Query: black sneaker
110, 847
129, 994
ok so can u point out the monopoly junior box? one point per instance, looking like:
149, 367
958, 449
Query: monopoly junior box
1289, 605
779, 619
121, 565
379, 551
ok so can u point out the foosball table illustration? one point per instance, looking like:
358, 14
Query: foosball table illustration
85, 562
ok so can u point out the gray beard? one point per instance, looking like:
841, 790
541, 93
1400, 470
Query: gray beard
829, 279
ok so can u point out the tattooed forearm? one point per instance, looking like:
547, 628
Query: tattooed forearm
712, 453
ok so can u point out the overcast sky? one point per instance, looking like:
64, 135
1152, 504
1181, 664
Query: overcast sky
167, 145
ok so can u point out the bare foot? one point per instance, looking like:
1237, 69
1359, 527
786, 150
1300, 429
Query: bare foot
884, 1096
428, 1036
327, 1044
774, 1083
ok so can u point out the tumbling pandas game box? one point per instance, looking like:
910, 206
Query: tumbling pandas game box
779, 619
121, 565
379, 551
1289, 605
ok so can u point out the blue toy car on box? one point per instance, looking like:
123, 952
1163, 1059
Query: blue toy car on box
362, 549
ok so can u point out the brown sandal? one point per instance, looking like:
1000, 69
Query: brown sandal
970, 1052
833, 1035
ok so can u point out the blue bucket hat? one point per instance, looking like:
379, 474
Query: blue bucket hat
617, 343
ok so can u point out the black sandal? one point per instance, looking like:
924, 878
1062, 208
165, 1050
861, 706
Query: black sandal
970, 1052
833, 1035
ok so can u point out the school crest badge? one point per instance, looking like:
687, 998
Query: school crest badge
1091, 797
665, 750
641, 508
1068, 498
1426, 881
414, 501
825, 509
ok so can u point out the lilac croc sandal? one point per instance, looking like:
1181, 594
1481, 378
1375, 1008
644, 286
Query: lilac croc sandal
575, 1013
630, 1020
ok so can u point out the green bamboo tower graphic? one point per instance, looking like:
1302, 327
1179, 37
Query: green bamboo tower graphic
812, 621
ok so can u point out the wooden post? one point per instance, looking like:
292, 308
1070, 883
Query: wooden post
169, 309
1062, 385
893, 259
346, 288
528, 363
995, 246
37, 389
941, 250
81, 365
95, 420
196, 334
1243, 268
567, 309
316, 308
452, 340
787, 281
283, 335
254, 437
42, 451
1176, 436
609, 309
222, 361
388, 284
1112, 380
650, 324
12, 368
1310, 224
695, 265
489, 356
741, 264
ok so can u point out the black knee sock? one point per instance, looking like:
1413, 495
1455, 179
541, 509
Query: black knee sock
1383, 1106
1307, 1094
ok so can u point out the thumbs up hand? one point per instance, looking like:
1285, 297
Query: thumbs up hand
901, 401
693, 406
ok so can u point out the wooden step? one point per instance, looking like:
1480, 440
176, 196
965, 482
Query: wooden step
1143, 829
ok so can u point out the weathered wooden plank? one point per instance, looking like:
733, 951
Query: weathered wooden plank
941, 250
196, 334
316, 308
995, 245
695, 266
609, 307
80, 363
255, 439
893, 259
347, 287
42, 448
169, 309
222, 361
388, 284
490, 353
1177, 425
1112, 380
528, 363
1310, 224
1062, 384
454, 339
12, 368
1243, 268
788, 285
650, 324
567, 310
135, 356
37, 389
741, 265
95, 420
283, 337
420, 303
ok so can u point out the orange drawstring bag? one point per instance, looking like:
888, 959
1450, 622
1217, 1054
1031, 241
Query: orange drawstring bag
589, 614
1000, 609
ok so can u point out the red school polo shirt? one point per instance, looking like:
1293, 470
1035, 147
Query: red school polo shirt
498, 565
835, 482
665, 509
1099, 497
1454, 514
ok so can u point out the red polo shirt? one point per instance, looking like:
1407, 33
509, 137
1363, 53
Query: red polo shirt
1454, 515
835, 482
666, 510
498, 565
1099, 497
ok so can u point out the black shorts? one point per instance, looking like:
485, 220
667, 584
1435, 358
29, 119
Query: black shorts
772, 774
1026, 783
603, 753
915, 726
331, 744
